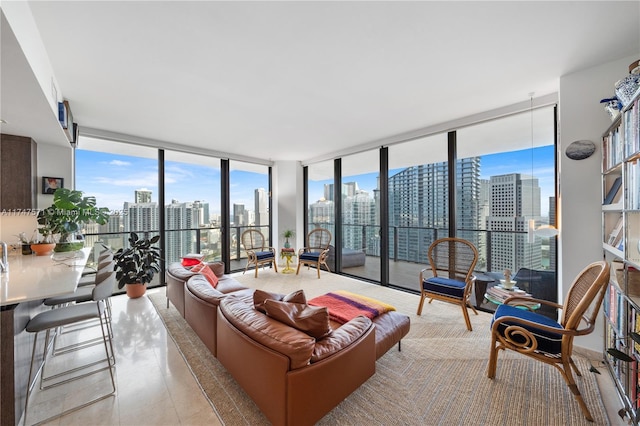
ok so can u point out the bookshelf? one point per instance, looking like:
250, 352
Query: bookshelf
621, 246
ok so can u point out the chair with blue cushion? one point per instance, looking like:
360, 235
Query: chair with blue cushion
451, 279
544, 339
258, 253
316, 251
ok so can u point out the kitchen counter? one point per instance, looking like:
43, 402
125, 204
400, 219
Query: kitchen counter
34, 277
30, 279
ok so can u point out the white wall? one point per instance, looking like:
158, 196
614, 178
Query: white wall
288, 209
581, 116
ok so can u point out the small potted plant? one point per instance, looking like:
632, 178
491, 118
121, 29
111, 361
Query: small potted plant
288, 233
136, 265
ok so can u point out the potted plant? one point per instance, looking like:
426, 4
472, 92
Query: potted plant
70, 209
136, 265
288, 233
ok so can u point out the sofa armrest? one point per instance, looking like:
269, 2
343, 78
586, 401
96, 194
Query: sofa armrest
340, 338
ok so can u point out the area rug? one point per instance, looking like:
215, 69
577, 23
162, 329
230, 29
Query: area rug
438, 378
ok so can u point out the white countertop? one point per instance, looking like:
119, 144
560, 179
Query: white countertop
34, 277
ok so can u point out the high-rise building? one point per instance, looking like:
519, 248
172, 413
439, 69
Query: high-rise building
186, 219
238, 215
514, 200
418, 205
261, 207
142, 196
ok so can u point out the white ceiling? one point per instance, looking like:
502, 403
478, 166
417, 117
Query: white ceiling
303, 80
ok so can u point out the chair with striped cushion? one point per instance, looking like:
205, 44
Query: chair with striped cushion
546, 340
316, 251
451, 274
258, 253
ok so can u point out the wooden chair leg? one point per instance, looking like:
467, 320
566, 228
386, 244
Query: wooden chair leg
256, 275
318, 268
493, 358
422, 297
298, 268
573, 387
465, 313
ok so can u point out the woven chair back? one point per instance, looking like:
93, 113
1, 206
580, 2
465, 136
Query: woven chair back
453, 258
589, 285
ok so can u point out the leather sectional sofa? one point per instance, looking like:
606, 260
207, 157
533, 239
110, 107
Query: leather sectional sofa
197, 301
306, 377
293, 378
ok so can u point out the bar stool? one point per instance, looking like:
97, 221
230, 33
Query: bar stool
54, 318
81, 295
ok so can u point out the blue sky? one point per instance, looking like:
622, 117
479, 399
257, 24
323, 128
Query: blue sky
113, 178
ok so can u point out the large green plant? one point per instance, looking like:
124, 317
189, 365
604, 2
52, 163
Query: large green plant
70, 209
139, 262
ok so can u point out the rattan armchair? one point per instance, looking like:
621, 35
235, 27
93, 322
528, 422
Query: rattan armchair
546, 340
451, 274
258, 253
316, 251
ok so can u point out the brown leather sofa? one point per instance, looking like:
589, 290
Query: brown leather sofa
292, 377
197, 301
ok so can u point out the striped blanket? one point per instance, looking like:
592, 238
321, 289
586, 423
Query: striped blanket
343, 306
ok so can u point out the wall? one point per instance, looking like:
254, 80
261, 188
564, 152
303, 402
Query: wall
581, 116
288, 208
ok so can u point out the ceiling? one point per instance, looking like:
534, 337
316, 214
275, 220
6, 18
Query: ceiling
304, 80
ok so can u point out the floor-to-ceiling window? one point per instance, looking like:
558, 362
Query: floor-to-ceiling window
124, 178
505, 182
192, 206
250, 198
320, 193
360, 236
418, 205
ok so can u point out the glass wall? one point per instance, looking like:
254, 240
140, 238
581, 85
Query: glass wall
249, 195
418, 205
320, 192
123, 178
360, 237
192, 211
506, 181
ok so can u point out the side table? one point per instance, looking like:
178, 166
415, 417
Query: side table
481, 286
287, 253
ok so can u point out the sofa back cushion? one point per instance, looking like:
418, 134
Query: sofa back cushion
260, 296
288, 341
313, 320
340, 338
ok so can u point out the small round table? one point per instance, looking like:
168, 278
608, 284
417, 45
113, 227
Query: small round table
287, 254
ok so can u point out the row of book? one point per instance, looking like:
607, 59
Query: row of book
623, 141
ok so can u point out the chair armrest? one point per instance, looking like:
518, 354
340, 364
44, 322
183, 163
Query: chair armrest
531, 299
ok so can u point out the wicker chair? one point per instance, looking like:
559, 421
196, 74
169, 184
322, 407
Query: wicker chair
546, 340
258, 253
452, 261
316, 251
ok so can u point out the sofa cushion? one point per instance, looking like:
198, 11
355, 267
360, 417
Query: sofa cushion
313, 320
177, 270
217, 268
199, 286
288, 341
340, 338
260, 296
204, 269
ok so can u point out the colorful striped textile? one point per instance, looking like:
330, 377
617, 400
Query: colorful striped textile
344, 306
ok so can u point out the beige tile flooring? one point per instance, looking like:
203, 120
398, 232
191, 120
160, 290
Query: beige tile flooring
154, 384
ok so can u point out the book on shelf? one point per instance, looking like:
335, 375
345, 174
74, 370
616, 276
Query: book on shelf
613, 191
616, 234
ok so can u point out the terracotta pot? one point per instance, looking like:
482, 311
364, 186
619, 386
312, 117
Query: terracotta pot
136, 290
42, 249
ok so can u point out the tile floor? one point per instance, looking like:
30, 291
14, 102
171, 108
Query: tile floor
154, 384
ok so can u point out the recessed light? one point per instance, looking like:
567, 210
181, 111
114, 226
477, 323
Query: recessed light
2, 121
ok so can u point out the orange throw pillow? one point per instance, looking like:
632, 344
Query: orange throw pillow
204, 269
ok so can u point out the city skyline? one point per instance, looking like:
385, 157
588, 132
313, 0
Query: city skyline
113, 178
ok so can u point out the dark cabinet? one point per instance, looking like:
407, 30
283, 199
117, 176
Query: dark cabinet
18, 172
